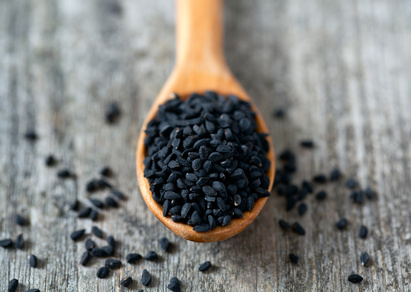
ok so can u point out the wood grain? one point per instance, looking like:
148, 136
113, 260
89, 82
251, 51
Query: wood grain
342, 70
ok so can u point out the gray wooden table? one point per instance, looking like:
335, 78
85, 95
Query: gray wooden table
340, 68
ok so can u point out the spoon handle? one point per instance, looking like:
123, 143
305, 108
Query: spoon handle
199, 33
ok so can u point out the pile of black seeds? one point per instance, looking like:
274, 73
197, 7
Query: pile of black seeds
206, 162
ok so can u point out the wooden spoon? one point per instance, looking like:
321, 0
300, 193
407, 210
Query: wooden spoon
200, 66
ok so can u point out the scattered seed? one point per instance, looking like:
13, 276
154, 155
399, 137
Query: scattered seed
151, 256
90, 244
369, 193
307, 144
119, 195
112, 264
174, 285
321, 195
126, 281
205, 266
102, 272
297, 228
106, 171
164, 243
363, 232
33, 261
354, 278
108, 250
93, 215
351, 183
98, 252
64, 173
50, 160
279, 113
96, 202
112, 113
132, 258
335, 174
146, 278
364, 258
31, 135
85, 258
20, 220
320, 178
284, 224
97, 231
111, 242
76, 235
85, 212
293, 258
111, 202
33, 290
74, 205
19, 241
302, 209
342, 223
13, 284
6, 243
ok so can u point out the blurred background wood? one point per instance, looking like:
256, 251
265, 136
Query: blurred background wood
340, 68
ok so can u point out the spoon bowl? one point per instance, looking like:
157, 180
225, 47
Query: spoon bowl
200, 66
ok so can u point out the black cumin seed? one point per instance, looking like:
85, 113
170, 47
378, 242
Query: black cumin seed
112, 113
151, 256
74, 205
85, 212
112, 264
205, 266
226, 221
77, 234
357, 196
93, 215
97, 231
93, 185
50, 160
33, 290
102, 272
164, 243
108, 250
293, 258
96, 202
90, 244
297, 228
106, 171
31, 135
132, 258
19, 241
6, 243
20, 220
119, 195
64, 173
369, 193
111, 202
145, 278
365, 258
85, 258
13, 284
302, 209
363, 232
351, 183
335, 174
126, 281
321, 195
33, 261
307, 144
174, 285
284, 224
342, 223
320, 178
355, 278
111, 242
279, 113
98, 252
202, 228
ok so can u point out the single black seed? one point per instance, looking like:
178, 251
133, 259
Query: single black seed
321, 195
335, 174
111, 242
33, 290
307, 144
151, 256
20, 220
363, 232
342, 223
31, 135
50, 160
365, 258
102, 272
202, 228
369, 193
97, 231
297, 228
132, 258
6, 243
205, 266
164, 243
279, 113
93, 215
98, 252
112, 113
293, 258
320, 178
76, 235
111, 202
357, 196
104, 184
93, 185
90, 244
19, 241
351, 183
112, 264
174, 285
108, 250
355, 278
145, 278
106, 171
85, 258
302, 209
74, 205
96, 202
226, 220
64, 173
119, 195
13, 284
85, 212
33, 261
284, 224
126, 281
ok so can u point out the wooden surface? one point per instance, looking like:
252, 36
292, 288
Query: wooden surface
342, 70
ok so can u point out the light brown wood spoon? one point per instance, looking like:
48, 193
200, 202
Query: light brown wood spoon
200, 66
